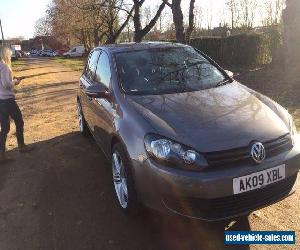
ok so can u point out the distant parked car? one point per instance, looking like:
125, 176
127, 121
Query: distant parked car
14, 55
18, 54
46, 53
33, 52
49, 53
25, 53
77, 51
60, 52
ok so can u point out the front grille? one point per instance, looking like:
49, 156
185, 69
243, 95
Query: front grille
213, 209
240, 156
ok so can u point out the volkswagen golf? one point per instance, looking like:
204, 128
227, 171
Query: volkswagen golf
182, 135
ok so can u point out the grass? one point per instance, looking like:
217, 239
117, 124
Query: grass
76, 64
18, 63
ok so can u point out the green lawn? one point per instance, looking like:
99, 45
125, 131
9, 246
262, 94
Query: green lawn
73, 63
18, 63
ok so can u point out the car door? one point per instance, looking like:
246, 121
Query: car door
86, 80
103, 109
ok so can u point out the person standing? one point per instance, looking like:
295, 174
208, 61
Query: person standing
8, 106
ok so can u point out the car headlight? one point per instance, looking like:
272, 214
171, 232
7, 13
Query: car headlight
293, 129
174, 154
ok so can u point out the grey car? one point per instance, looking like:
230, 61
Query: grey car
183, 136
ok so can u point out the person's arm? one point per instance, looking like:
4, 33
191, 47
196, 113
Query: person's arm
6, 79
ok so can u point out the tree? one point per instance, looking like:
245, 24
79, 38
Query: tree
234, 11
198, 16
112, 19
248, 11
182, 35
43, 27
139, 31
110, 12
89, 22
273, 12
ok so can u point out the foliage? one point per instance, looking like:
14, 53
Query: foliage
43, 27
76, 64
87, 22
240, 50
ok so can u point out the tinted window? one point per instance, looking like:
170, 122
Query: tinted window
103, 73
92, 65
166, 70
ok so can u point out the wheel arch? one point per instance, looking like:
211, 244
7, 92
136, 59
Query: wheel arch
115, 139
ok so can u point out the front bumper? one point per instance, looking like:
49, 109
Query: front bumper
209, 195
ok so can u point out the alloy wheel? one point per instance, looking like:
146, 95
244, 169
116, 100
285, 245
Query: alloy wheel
119, 179
80, 118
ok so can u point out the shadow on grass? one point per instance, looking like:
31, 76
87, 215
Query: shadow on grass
77, 208
46, 86
28, 68
47, 73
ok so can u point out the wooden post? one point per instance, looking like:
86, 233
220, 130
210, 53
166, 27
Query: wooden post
2, 33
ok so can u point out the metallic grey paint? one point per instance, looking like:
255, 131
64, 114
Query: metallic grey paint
222, 118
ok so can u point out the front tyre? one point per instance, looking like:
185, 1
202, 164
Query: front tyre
123, 181
83, 128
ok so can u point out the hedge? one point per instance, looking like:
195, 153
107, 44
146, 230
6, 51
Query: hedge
239, 50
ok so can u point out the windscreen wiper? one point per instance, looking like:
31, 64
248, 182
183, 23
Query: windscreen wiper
224, 82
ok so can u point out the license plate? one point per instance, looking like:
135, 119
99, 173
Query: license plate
259, 179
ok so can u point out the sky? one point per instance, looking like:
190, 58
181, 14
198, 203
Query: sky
19, 16
215, 8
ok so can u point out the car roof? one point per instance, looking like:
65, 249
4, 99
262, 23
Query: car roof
125, 47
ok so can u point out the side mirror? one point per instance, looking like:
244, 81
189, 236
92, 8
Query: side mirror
97, 91
229, 73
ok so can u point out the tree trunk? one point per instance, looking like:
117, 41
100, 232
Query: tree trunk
139, 32
191, 21
114, 36
96, 37
178, 21
137, 22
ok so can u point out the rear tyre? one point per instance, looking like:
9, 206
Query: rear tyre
83, 128
123, 183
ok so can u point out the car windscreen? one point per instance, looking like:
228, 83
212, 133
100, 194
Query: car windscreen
166, 70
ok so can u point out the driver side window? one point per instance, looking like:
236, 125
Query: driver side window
92, 65
103, 72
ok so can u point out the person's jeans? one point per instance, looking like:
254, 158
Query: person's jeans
9, 108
